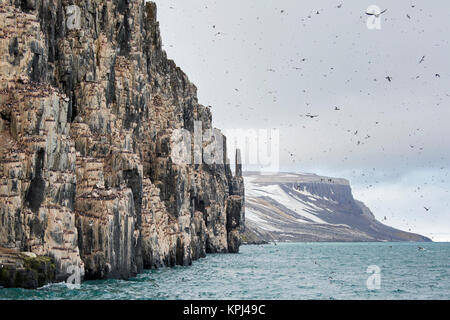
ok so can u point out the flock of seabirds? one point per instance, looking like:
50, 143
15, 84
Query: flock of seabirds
360, 138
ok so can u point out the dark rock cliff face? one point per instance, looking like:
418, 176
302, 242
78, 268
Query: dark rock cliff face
89, 104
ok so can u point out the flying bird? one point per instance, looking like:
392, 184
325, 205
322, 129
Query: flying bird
422, 59
427, 209
376, 14
389, 78
311, 116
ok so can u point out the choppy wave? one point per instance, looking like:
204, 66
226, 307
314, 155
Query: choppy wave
284, 271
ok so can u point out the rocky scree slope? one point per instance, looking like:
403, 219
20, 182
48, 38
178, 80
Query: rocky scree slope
88, 105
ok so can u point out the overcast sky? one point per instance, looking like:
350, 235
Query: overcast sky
266, 64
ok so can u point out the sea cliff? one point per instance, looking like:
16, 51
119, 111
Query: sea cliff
293, 207
89, 108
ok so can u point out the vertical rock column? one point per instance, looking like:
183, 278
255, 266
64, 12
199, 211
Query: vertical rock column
236, 208
37, 156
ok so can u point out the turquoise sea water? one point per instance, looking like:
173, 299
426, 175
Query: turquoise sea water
283, 271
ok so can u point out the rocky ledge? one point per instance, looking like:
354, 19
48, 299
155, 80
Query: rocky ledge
25, 269
89, 108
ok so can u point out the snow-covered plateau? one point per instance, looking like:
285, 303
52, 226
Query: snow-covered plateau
308, 207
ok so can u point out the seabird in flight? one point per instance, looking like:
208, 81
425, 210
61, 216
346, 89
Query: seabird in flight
376, 14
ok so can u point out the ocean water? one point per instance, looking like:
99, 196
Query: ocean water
282, 271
